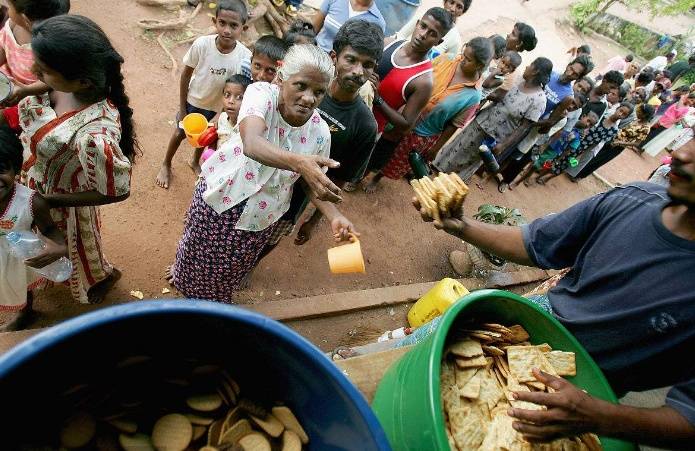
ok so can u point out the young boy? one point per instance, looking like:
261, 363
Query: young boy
16, 57
505, 67
208, 63
267, 53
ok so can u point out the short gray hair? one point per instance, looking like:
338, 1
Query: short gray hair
299, 57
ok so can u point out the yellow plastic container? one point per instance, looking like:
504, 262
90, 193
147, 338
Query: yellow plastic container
194, 124
436, 301
347, 258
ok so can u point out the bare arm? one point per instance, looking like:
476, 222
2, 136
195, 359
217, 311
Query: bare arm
556, 115
421, 90
340, 225
186, 75
258, 148
84, 199
497, 95
570, 411
318, 20
55, 242
516, 135
446, 135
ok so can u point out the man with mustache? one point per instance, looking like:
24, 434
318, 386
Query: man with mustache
628, 298
357, 48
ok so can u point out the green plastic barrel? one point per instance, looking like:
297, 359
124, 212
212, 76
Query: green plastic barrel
407, 401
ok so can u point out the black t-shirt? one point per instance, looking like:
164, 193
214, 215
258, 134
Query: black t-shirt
678, 68
353, 134
629, 297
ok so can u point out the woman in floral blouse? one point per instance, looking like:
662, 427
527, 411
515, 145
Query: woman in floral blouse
631, 136
246, 187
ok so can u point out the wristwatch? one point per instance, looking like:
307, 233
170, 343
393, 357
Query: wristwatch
378, 100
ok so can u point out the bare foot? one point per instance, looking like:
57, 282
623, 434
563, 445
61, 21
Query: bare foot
164, 176
195, 166
96, 294
303, 234
19, 321
169, 276
540, 181
527, 182
350, 187
371, 187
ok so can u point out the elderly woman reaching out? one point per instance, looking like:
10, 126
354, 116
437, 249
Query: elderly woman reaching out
246, 187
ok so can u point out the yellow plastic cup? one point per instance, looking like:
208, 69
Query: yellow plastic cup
347, 258
194, 124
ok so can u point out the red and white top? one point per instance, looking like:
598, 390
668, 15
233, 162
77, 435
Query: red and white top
19, 57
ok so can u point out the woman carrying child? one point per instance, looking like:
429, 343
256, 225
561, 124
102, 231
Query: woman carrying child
455, 91
80, 139
247, 186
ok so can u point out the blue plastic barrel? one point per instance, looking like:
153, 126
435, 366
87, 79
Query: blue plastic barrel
396, 13
268, 360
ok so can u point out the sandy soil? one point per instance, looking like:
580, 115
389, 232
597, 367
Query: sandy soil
141, 234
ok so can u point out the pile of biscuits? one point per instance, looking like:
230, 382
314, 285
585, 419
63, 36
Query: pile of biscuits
201, 410
481, 368
441, 195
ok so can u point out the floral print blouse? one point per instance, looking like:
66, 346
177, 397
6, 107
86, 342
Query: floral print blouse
502, 118
232, 177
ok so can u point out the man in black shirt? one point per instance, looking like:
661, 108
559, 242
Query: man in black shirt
357, 48
680, 68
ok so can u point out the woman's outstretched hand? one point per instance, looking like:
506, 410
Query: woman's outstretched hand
342, 228
311, 170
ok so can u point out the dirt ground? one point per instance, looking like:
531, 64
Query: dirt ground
141, 234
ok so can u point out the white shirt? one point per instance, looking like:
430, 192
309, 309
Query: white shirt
450, 45
658, 63
224, 129
210, 70
232, 177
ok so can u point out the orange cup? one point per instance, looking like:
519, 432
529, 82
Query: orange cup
347, 258
194, 124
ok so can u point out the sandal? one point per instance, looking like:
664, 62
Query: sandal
502, 187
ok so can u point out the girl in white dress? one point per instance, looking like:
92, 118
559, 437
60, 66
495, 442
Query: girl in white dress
21, 209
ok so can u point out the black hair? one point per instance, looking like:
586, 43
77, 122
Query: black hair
514, 57
527, 36
667, 73
623, 91
300, 28
584, 48
441, 15
467, 5
364, 37
627, 105
684, 88
78, 49
11, 153
648, 111
499, 44
239, 79
592, 83
271, 46
691, 58
543, 67
613, 76
645, 77
482, 50
236, 6
592, 109
585, 61
629, 57
581, 97
37, 10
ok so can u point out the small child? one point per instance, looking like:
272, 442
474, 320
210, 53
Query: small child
505, 67
16, 57
232, 95
554, 156
300, 32
208, 63
20, 210
267, 53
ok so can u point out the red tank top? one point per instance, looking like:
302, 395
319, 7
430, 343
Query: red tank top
394, 80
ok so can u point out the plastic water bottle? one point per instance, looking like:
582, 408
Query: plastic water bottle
26, 245
489, 159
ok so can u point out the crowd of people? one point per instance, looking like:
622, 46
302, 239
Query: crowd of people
336, 106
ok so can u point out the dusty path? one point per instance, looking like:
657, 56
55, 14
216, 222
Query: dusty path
141, 234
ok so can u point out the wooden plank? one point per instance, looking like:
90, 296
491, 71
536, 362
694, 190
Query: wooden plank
339, 303
366, 371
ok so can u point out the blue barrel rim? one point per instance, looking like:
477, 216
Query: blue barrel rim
53, 335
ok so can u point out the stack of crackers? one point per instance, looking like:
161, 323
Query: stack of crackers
440, 196
481, 368
199, 410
